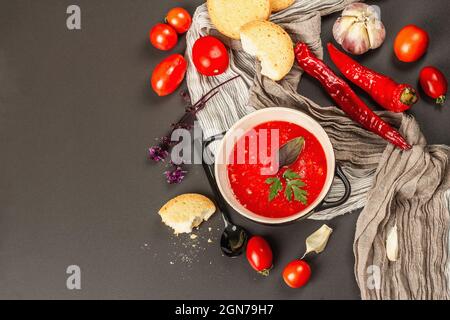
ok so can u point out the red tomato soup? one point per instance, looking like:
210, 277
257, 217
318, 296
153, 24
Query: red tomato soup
249, 185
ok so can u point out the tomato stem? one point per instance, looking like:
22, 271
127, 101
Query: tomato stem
441, 100
409, 96
265, 272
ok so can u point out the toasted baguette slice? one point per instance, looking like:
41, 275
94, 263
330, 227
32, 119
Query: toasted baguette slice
271, 45
187, 211
278, 5
228, 16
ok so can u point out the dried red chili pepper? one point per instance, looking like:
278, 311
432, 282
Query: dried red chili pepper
346, 98
385, 91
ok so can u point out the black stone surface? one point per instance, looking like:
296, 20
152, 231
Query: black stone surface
76, 116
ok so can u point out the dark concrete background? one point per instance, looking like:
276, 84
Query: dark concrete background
76, 116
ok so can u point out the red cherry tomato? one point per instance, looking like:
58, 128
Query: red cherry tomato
169, 74
163, 37
434, 83
296, 274
411, 43
210, 56
259, 255
179, 19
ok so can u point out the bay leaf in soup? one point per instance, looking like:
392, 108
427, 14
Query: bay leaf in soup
290, 151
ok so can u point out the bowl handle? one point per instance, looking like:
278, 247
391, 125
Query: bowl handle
348, 190
209, 171
212, 139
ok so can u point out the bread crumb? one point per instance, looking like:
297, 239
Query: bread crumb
209, 241
193, 236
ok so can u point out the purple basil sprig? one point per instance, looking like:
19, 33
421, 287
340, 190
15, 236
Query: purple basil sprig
160, 152
176, 175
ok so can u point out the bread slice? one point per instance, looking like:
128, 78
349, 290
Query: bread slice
278, 5
228, 16
187, 211
271, 45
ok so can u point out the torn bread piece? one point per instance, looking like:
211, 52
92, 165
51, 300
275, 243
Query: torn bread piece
271, 45
187, 211
278, 5
228, 16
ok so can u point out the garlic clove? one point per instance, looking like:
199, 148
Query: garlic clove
341, 27
376, 33
318, 240
356, 40
392, 244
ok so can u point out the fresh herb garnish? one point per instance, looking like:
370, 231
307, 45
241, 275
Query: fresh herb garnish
290, 175
275, 187
293, 188
300, 195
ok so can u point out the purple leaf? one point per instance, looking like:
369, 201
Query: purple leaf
175, 176
157, 153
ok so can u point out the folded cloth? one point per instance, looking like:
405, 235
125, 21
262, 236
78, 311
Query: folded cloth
406, 189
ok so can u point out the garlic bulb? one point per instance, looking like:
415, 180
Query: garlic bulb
359, 28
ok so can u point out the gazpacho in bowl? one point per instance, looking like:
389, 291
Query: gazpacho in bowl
293, 188
250, 165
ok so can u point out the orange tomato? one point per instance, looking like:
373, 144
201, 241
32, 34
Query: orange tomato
411, 43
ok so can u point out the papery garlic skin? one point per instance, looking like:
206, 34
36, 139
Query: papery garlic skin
359, 29
360, 9
318, 240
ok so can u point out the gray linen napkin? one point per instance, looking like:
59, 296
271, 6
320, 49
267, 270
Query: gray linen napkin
407, 189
